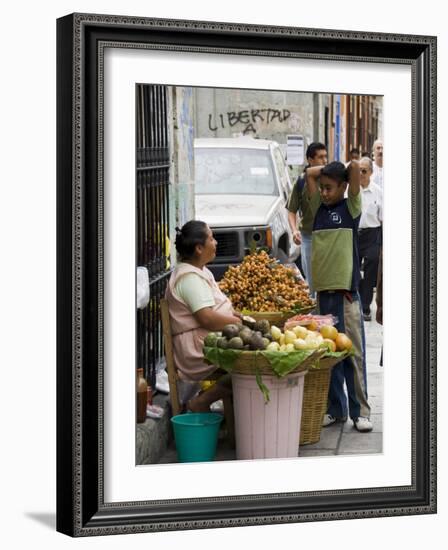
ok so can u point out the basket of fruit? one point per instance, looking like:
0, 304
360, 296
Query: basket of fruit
256, 347
265, 289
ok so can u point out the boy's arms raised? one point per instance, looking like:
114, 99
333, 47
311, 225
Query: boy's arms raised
354, 175
312, 195
354, 194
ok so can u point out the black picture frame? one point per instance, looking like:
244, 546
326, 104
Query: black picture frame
81, 510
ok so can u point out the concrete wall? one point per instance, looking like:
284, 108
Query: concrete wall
258, 113
181, 128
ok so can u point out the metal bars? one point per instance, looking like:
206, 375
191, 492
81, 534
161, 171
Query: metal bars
152, 177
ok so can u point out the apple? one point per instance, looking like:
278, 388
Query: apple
311, 342
300, 343
273, 346
300, 331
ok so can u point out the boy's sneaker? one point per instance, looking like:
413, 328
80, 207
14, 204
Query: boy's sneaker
363, 424
328, 420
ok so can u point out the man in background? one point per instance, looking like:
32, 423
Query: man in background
370, 228
316, 155
377, 151
354, 154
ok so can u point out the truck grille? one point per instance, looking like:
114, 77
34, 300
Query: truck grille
228, 244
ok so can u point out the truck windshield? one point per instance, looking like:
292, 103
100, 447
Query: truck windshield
234, 172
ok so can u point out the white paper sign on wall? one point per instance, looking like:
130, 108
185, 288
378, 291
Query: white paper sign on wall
295, 150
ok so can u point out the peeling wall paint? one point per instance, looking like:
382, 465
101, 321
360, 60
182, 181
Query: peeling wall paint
184, 133
181, 193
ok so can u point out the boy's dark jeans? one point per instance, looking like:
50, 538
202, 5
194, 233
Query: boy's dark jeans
346, 306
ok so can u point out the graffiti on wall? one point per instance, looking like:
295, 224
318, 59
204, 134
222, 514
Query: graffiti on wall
248, 118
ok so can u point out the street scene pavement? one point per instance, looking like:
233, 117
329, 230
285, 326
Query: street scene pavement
339, 438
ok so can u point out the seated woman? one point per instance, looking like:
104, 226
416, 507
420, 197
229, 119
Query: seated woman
197, 306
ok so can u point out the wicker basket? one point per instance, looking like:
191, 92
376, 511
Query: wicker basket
251, 362
277, 318
315, 400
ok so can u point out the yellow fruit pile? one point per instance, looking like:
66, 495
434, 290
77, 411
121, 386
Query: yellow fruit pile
260, 283
300, 337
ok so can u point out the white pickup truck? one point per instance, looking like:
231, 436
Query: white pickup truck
241, 189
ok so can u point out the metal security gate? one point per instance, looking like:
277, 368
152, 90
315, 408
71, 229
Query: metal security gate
153, 163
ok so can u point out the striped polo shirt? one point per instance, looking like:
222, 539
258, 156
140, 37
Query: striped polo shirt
335, 252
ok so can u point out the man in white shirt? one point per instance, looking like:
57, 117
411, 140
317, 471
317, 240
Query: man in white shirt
370, 234
377, 151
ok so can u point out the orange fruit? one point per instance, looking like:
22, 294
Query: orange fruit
343, 342
329, 331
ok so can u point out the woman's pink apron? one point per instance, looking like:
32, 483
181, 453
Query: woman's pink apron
188, 336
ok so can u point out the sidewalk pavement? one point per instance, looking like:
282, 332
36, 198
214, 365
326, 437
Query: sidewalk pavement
340, 438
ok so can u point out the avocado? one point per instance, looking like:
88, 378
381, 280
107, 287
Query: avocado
248, 321
222, 343
256, 342
211, 339
245, 334
262, 325
235, 343
231, 330
268, 335
266, 342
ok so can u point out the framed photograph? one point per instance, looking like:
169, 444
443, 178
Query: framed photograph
139, 101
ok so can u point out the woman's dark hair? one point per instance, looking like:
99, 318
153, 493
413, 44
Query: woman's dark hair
191, 234
335, 171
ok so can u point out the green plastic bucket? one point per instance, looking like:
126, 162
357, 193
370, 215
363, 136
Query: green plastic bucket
196, 436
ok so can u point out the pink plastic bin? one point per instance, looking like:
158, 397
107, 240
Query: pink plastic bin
269, 430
